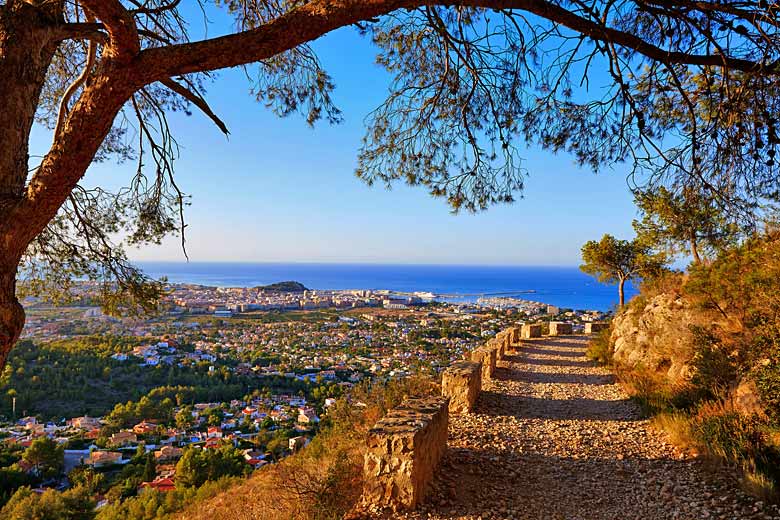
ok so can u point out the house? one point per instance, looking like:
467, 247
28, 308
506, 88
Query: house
307, 415
144, 427
85, 423
159, 484
297, 443
212, 443
123, 438
98, 459
214, 432
167, 453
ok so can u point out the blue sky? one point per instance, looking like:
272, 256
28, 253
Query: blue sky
278, 190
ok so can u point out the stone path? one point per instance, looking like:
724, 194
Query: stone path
554, 437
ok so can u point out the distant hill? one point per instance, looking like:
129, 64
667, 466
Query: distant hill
288, 286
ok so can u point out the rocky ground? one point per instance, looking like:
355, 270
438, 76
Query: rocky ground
554, 437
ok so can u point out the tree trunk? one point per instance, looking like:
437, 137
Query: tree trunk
11, 313
695, 249
621, 292
26, 52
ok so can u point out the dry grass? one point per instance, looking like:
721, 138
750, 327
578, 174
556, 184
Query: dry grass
324, 480
677, 427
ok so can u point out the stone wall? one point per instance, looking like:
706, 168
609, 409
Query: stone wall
501, 342
403, 450
558, 328
486, 355
531, 330
462, 382
591, 328
514, 335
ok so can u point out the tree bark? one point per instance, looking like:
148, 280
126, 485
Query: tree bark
11, 313
621, 292
26, 51
695, 249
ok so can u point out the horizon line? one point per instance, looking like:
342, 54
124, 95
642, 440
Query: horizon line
351, 262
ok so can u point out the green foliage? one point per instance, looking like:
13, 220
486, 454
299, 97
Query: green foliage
156, 505
197, 466
713, 370
46, 457
67, 378
88, 478
687, 222
11, 479
611, 260
600, 348
73, 504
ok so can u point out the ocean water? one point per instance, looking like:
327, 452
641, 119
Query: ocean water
561, 286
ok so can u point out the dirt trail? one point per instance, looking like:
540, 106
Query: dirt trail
554, 437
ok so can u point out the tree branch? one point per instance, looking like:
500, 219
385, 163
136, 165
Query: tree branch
81, 31
318, 17
197, 100
122, 32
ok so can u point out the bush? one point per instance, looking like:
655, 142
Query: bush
600, 348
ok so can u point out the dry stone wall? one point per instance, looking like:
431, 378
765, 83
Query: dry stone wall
487, 357
403, 450
462, 382
531, 330
558, 328
594, 327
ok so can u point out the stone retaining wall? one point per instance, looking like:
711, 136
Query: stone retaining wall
403, 450
462, 382
514, 335
531, 330
501, 341
558, 328
590, 328
486, 355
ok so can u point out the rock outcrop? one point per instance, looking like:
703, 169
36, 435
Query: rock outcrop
403, 450
657, 336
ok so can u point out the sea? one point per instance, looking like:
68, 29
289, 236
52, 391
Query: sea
565, 287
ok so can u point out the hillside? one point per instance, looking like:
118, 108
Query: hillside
553, 436
288, 286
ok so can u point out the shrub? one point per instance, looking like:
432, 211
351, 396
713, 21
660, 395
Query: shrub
600, 348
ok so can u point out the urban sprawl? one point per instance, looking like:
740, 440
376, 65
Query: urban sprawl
245, 372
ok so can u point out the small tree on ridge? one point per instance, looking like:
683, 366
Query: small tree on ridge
611, 260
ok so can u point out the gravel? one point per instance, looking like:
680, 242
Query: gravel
554, 436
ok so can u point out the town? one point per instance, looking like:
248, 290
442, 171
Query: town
240, 376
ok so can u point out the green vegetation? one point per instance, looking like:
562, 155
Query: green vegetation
690, 221
600, 348
729, 405
67, 378
45, 457
617, 261
198, 466
288, 286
